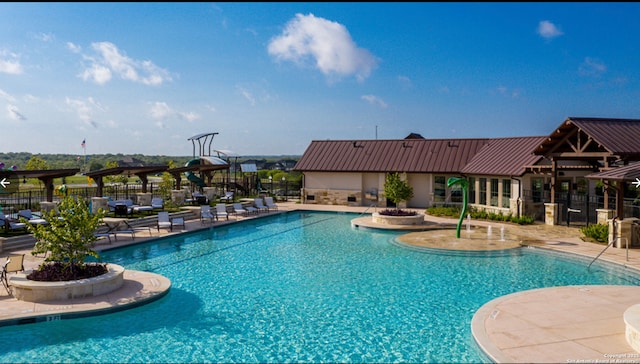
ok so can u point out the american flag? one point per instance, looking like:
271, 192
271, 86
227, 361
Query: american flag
84, 145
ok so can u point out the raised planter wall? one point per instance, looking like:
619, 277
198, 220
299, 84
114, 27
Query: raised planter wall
36, 291
417, 219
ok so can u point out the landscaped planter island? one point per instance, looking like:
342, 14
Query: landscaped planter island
417, 219
40, 291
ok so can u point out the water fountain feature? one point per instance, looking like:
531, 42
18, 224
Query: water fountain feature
489, 232
468, 223
502, 233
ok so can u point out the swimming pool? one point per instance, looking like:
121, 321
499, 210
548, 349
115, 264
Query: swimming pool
300, 287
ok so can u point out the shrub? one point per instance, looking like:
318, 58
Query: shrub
597, 232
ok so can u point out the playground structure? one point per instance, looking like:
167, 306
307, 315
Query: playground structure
203, 158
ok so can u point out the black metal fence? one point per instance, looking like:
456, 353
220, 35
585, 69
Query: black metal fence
31, 198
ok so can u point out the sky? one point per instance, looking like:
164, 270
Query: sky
269, 78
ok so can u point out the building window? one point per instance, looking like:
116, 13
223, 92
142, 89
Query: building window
472, 190
494, 192
537, 188
439, 189
506, 192
483, 191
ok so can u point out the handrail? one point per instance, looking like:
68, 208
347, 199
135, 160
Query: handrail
367, 209
606, 247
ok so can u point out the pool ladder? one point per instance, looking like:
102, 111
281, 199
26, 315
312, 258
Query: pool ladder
608, 245
367, 209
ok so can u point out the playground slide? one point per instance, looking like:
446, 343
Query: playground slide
191, 176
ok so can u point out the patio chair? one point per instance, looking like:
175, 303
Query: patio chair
238, 209
10, 224
177, 221
221, 210
157, 203
260, 205
268, 201
14, 264
199, 198
31, 218
228, 197
205, 213
250, 209
103, 232
164, 221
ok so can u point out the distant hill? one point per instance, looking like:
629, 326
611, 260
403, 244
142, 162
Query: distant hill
98, 161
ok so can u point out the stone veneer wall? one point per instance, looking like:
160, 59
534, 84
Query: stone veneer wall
332, 197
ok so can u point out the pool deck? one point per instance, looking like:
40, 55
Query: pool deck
548, 325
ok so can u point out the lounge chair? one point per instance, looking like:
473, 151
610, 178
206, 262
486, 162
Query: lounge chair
164, 221
14, 264
133, 228
103, 232
238, 209
268, 201
228, 197
251, 209
157, 203
260, 205
221, 211
31, 218
205, 213
11, 224
200, 199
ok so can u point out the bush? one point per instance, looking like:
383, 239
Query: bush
597, 232
451, 211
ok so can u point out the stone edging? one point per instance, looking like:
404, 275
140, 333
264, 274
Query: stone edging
417, 219
36, 291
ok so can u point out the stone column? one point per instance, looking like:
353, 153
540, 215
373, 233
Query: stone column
210, 192
550, 213
98, 203
177, 197
623, 232
143, 198
46, 206
604, 215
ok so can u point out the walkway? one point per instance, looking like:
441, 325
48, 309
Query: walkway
560, 324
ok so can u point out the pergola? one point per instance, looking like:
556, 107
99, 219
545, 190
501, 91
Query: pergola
622, 176
46, 176
140, 171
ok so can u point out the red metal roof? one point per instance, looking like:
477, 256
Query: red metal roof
398, 155
505, 156
630, 172
618, 136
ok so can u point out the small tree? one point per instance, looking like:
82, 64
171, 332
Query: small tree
69, 235
396, 190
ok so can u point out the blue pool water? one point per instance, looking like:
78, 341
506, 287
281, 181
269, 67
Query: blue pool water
299, 287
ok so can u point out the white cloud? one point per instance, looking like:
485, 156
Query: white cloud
9, 64
7, 96
109, 60
247, 95
161, 112
405, 81
592, 67
375, 100
74, 48
85, 109
14, 113
548, 30
325, 44
45, 37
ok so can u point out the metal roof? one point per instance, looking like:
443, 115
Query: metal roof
398, 155
504, 157
630, 172
617, 136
